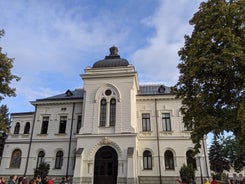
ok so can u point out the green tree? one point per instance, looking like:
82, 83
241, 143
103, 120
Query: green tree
4, 122
212, 71
217, 157
235, 153
42, 170
187, 171
4, 118
6, 64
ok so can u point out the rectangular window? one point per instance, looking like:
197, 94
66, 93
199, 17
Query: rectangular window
166, 123
79, 123
188, 127
44, 129
146, 124
62, 128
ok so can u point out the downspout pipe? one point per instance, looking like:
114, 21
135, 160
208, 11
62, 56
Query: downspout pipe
69, 149
158, 146
30, 143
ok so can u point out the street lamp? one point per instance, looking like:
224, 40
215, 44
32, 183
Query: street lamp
199, 159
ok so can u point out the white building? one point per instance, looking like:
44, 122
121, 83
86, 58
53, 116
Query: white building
111, 131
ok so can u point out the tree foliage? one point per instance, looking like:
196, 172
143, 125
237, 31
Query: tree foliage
217, 157
6, 64
225, 153
187, 172
4, 118
42, 170
212, 68
234, 152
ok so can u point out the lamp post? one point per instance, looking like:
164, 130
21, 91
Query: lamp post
199, 158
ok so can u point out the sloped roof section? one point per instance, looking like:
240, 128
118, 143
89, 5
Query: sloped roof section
154, 89
68, 95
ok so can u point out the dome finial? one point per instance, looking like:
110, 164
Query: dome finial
113, 51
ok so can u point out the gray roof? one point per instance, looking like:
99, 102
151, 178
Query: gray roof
152, 89
21, 113
68, 95
113, 60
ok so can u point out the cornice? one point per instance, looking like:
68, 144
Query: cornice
56, 102
156, 97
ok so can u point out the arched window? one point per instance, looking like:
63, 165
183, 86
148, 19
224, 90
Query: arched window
147, 160
59, 160
112, 112
190, 159
15, 159
27, 128
40, 158
103, 112
169, 160
17, 128
107, 107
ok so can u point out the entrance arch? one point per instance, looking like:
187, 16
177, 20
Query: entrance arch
106, 166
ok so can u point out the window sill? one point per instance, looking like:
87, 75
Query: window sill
13, 168
25, 135
147, 169
166, 132
56, 168
60, 134
42, 135
106, 126
169, 169
146, 133
186, 132
15, 135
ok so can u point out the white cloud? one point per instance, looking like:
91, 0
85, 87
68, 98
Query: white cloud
52, 42
159, 59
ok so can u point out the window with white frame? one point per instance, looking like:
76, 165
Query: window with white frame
112, 112
190, 159
44, 129
166, 123
40, 158
103, 112
27, 128
146, 124
187, 127
59, 160
17, 128
108, 104
15, 159
147, 160
169, 160
62, 127
79, 123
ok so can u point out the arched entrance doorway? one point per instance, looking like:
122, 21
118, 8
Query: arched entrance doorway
106, 165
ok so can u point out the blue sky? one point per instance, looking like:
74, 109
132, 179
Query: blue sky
54, 41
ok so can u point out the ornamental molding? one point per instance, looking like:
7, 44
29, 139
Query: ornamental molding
112, 87
105, 141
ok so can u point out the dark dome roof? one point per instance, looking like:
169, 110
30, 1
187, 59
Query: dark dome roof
113, 60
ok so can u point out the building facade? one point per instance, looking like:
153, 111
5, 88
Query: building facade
113, 130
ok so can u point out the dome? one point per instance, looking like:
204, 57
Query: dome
113, 60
